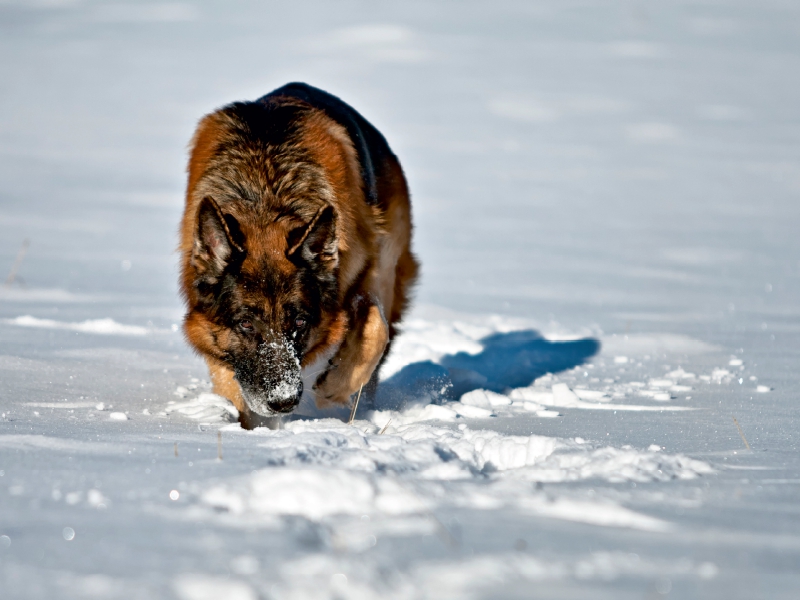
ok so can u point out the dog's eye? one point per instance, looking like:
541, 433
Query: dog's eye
299, 323
246, 325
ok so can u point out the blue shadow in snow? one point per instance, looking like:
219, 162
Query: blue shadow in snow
508, 360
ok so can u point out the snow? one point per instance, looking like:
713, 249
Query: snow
207, 407
100, 326
593, 396
203, 587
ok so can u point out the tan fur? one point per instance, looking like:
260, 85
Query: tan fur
224, 383
329, 144
353, 365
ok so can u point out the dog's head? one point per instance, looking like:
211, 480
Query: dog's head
263, 293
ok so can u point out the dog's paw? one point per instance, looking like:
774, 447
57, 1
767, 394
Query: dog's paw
332, 389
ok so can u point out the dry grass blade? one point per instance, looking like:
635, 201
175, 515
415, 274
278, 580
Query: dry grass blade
355, 407
383, 430
12, 275
444, 534
219, 445
741, 433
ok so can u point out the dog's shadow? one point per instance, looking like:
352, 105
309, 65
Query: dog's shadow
508, 360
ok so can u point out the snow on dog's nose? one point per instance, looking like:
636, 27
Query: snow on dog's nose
272, 383
281, 378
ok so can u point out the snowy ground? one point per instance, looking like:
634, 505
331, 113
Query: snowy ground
594, 396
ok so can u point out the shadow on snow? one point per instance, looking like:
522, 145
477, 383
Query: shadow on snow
508, 360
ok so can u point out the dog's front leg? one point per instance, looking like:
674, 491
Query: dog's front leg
224, 383
359, 354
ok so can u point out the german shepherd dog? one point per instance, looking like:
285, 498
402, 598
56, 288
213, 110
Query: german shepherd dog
295, 250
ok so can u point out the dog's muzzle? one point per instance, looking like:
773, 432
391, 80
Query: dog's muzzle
271, 382
280, 398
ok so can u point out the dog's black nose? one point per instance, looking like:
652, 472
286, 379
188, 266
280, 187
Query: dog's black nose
286, 404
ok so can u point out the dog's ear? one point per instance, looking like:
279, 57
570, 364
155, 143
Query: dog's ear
218, 239
318, 241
